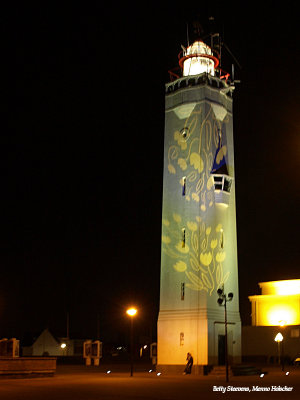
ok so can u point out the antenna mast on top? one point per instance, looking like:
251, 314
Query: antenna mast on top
187, 34
217, 43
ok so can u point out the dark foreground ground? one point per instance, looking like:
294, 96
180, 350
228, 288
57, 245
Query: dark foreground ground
89, 383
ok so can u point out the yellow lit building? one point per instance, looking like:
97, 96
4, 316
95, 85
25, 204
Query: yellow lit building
276, 311
278, 304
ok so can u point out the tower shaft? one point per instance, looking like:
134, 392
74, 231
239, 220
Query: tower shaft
199, 246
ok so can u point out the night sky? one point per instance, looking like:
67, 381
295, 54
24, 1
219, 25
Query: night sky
81, 152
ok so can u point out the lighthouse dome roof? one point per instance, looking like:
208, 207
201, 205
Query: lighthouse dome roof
199, 47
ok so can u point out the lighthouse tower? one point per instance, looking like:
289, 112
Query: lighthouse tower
199, 246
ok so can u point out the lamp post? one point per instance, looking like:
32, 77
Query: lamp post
132, 313
222, 300
282, 324
279, 339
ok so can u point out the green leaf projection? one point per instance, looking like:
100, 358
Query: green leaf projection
190, 151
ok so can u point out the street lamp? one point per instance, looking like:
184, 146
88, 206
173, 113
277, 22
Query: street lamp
279, 339
222, 300
132, 313
63, 346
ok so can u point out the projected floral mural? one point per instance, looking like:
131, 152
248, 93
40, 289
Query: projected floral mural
201, 254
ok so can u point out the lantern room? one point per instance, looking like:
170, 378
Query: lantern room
198, 58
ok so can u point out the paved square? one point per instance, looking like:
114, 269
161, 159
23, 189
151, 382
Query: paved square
83, 383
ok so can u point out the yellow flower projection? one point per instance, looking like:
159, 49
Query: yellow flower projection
193, 226
221, 154
182, 163
196, 162
166, 239
218, 228
180, 266
220, 257
171, 169
195, 197
210, 183
213, 243
199, 258
206, 258
177, 217
180, 140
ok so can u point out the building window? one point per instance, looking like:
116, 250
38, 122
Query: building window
183, 237
182, 290
183, 185
181, 338
222, 182
295, 333
227, 185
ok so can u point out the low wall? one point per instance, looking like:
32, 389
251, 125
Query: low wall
27, 366
258, 342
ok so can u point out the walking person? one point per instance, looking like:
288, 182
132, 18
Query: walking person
189, 364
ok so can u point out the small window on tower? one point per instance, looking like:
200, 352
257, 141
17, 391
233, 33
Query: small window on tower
218, 179
181, 338
182, 290
227, 185
218, 186
185, 133
183, 185
183, 237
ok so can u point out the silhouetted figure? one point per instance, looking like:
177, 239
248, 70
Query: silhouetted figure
189, 364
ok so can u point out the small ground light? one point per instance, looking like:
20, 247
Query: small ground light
158, 374
108, 372
150, 370
287, 373
261, 375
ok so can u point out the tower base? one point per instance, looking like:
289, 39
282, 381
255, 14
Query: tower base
200, 333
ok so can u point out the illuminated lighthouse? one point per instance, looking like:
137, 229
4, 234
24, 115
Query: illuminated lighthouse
199, 246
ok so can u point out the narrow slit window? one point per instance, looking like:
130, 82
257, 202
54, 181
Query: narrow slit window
182, 290
183, 185
183, 237
181, 338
